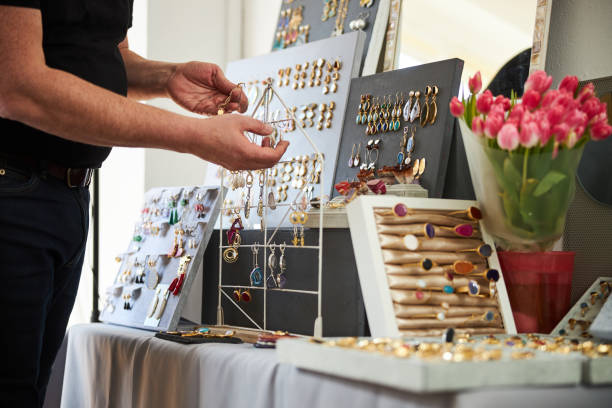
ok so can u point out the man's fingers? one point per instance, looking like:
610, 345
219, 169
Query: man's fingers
256, 126
223, 84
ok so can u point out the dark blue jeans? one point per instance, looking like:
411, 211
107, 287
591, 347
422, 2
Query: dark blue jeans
43, 231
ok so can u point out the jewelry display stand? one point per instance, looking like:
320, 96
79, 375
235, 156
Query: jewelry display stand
276, 271
302, 22
446, 173
418, 375
153, 287
407, 273
577, 323
306, 101
581, 324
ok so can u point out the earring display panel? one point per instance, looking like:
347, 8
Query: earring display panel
398, 126
314, 82
163, 257
306, 21
426, 265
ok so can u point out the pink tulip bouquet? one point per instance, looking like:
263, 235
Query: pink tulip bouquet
523, 154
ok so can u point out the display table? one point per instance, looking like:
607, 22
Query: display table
110, 366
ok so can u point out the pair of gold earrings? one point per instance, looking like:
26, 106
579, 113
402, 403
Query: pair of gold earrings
428, 113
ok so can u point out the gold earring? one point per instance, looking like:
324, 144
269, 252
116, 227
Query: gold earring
434, 110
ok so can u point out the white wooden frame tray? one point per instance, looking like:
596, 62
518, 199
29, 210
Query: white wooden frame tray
371, 266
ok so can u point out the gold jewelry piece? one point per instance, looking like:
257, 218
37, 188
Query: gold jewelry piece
425, 113
434, 110
483, 250
221, 108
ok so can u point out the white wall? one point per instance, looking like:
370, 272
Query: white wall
580, 39
203, 30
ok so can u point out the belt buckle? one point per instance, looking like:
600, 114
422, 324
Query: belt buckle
68, 178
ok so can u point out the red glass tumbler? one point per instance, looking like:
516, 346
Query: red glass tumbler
539, 286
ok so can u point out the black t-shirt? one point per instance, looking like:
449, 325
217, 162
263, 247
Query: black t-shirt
79, 37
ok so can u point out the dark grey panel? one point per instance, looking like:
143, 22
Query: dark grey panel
432, 142
343, 309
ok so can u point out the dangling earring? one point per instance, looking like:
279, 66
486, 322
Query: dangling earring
352, 158
402, 155
247, 204
255, 276
360, 110
408, 107
410, 146
357, 159
271, 281
281, 280
177, 283
374, 145
434, 110
416, 108
425, 113
364, 164
236, 295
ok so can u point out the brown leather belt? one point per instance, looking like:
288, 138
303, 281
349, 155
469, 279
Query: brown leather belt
73, 177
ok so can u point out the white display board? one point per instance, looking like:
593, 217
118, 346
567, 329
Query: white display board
169, 240
346, 49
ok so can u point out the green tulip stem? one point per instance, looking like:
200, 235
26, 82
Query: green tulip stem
525, 159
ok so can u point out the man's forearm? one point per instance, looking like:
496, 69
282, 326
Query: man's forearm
67, 106
146, 79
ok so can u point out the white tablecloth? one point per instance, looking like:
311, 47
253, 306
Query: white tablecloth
110, 366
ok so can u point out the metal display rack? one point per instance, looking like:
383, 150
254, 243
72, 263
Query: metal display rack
268, 233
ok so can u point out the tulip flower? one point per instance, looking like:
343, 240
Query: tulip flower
508, 137
539, 82
456, 107
475, 83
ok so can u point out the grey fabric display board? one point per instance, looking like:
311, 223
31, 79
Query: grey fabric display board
198, 226
343, 310
432, 142
348, 50
312, 13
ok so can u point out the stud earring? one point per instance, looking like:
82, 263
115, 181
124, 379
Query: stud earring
281, 74
360, 23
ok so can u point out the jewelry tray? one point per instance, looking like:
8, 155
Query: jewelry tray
156, 246
386, 308
416, 375
598, 371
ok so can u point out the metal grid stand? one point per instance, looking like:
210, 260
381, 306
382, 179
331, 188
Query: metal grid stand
264, 101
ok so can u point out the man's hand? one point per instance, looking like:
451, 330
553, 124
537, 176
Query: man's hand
225, 143
201, 87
